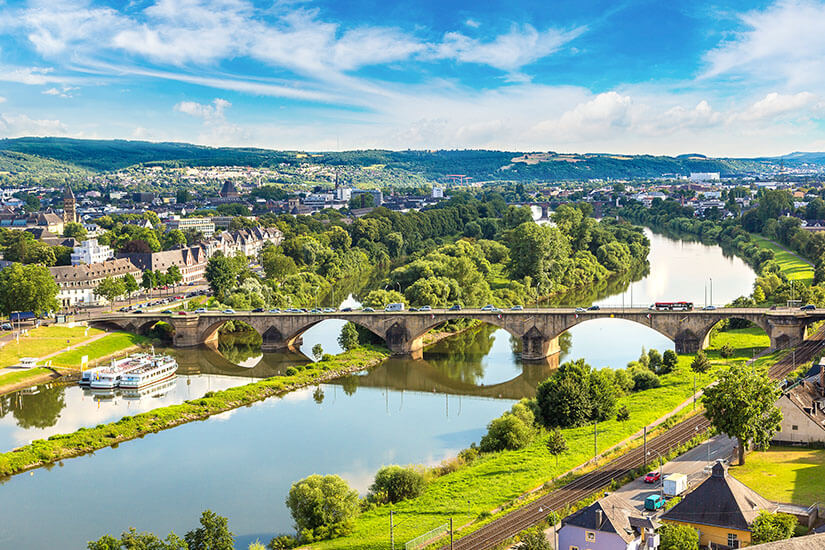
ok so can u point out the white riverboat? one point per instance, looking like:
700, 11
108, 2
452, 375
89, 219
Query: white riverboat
108, 378
155, 369
87, 375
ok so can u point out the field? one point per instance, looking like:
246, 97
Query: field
103, 347
791, 265
44, 341
745, 341
785, 474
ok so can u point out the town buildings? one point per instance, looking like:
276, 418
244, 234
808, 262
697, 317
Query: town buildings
89, 252
610, 523
191, 261
803, 409
204, 225
77, 283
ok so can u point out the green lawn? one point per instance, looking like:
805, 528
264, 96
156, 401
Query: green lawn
107, 345
785, 474
44, 341
498, 478
791, 265
745, 341
16, 377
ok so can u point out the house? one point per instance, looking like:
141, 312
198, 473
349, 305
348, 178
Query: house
191, 261
204, 225
77, 283
90, 252
803, 409
42, 234
51, 222
721, 509
610, 523
248, 242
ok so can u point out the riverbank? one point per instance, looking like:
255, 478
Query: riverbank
24, 378
85, 440
498, 481
794, 266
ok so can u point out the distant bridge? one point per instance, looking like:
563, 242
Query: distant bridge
539, 329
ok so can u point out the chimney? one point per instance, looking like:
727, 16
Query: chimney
599, 515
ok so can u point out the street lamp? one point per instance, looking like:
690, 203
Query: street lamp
711, 290
661, 470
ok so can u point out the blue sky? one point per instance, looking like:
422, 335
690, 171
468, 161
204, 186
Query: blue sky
719, 78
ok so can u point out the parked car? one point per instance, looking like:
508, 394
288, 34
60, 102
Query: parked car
369, 310
517, 308
593, 308
229, 311
654, 502
6, 326
808, 307
653, 477
455, 307
258, 310
201, 310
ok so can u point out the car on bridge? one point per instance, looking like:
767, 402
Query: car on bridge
229, 311
258, 310
517, 308
709, 308
808, 307
201, 310
490, 307
275, 310
425, 308
593, 308
167, 312
580, 310
455, 307
368, 310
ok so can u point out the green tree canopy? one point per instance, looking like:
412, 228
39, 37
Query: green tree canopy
675, 536
27, 288
396, 483
322, 506
769, 527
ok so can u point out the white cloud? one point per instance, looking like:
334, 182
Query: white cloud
784, 43
36, 76
54, 27
23, 125
2, 99
472, 23
603, 113
509, 52
205, 111
774, 105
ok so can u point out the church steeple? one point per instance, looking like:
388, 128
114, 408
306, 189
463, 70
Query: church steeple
69, 206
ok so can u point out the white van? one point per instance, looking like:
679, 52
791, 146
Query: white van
394, 307
675, 484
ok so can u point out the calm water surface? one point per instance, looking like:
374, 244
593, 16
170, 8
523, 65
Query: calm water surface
241, 464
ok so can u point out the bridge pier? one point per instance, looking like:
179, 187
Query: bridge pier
536, 347
786, 335
187, 333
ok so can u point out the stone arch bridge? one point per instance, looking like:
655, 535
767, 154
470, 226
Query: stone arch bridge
538, 329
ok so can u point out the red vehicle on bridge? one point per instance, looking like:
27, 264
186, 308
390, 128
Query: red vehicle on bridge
672, 306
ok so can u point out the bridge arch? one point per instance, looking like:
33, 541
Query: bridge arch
414, 342
278, 338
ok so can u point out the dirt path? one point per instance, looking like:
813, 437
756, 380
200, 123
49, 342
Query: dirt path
791, 252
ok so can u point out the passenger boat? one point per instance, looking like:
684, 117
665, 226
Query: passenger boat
152, 371
107, 378
86, 375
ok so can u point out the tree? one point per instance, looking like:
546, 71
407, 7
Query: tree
769, 527
348, 339
759, 294
669, 361
130, 285
133, 540
622, 415
726, 351
394, 484
678, 537
221, 274
322, 506
27, 288
76, 230
173, 275
507, 432
700, 363
183, 196
276, 265
556, 444
148, 281
213, 534
655, 361
743, 405
317, 351
534, 539
110, 289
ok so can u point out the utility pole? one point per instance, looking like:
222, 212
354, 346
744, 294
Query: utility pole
711, 290
644, 458
595, 440
451, 533
392, 536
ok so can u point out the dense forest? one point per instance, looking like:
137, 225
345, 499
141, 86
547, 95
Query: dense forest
480, 165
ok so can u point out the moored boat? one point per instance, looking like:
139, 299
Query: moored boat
152, 371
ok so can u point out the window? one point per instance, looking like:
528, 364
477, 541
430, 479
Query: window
574, 547
589, 536
794, 427
733, 541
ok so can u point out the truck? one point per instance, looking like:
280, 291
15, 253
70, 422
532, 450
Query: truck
394, 307
674, 485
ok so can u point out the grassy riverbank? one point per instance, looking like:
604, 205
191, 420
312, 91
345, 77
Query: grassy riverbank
794, 267
43, 341
13, 381
100, 350
476, 489
85, 440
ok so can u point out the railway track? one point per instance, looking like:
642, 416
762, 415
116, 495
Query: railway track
597, 480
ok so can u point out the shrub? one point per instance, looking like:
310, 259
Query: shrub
322, 507
469, 454
769, 527
291, 371
394, 483
644, 379
678, 537
508, 432
283, 542
534, 539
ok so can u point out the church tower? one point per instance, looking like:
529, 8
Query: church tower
69, 203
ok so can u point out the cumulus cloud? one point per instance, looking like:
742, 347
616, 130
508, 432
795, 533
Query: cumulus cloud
604, 112
23, 125
212, 111
775, 104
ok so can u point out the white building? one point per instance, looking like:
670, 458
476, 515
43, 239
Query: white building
438, 192
89, 252
77, 283
204, 225
704, 176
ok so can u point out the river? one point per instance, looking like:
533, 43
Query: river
240, 464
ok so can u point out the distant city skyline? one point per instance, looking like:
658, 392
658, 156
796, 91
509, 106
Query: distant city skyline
725, 78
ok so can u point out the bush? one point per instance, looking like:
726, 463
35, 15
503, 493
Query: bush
534, 539
769, 527
678, 537
469, 454
643, 379
290, 371
322, 506
508, 432
394, 483
283, 542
